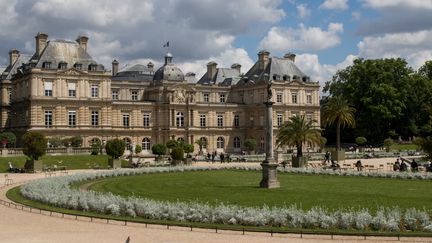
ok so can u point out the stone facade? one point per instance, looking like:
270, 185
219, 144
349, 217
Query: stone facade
62, 91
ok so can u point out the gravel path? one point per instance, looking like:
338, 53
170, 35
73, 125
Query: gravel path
23, 226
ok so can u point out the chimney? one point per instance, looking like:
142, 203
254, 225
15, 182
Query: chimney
263, 59
13, 56
236, 66
41, 42
150, 66
82, 41
290, 56
211, 69
115, 65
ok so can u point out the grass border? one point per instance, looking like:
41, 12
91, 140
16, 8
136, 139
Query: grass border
14, 195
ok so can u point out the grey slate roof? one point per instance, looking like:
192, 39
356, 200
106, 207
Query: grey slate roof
57, 51
281, 69
169, 72
10, 70
136, 72
224, 76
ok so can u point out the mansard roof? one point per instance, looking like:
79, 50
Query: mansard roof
70, 52
10, 70
223, 76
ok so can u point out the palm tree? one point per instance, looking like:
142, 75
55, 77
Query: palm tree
298, 131
337, 111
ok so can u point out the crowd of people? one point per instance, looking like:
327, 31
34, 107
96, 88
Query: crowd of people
212, 157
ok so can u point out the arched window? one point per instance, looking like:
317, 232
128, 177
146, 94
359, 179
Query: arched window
95, 141
220, 143
179, 119
127, 143
180, 140
237, 142
146, 144
204, 142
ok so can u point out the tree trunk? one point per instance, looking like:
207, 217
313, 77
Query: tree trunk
338, 144
299, 150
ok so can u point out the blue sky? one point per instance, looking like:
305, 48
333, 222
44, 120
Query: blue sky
326, 35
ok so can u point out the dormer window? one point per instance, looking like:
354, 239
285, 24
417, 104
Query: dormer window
92, 67
286, 78
275, 77
62, 65
78, 66
46, 65
295, 77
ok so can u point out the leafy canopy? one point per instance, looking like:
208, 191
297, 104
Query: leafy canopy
297, 131
34, 144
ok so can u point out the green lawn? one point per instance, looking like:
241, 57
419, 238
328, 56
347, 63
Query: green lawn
241, 188
72, 162
403, 147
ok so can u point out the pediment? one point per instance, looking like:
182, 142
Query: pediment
71, 71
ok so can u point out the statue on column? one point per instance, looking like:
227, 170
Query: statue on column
269, 91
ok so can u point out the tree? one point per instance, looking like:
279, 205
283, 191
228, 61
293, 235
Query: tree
297, 131
115, 148
7, 138
159, 149
425, 145
250, 144
337, 111
387, 95
200, 144
34, 145
177, 153
76, 141
55, 142
96, 147
360, 141
138, 149
388, 142
188, 148
172, 144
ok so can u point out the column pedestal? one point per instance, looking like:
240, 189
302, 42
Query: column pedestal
269, 175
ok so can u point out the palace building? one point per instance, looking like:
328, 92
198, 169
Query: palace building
62, 91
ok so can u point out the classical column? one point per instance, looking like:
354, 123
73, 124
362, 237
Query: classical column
269, 165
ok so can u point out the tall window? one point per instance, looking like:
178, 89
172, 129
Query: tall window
206, 97
279, 119
220, 120
262, 143
146, 144
127, 142
294, 97
146, 120
9, 92
251, 120
202, 120
115, 94
72, 118
179, 119
95, 118
48, 86
309, 98
48, 118
125, 120
237, 142
94, 89
222, 98
203, 142
279, 96
236, 121
220, 143
72, 89
134, 94
308, 117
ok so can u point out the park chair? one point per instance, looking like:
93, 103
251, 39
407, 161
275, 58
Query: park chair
8, 181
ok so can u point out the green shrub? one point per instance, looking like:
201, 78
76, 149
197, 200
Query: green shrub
115, 148
138, 149
188, 148
360, 141
55, 142
159, 149
34, 144
177, 153
250, 144
172, 144
96, 147
388, 142
7, 138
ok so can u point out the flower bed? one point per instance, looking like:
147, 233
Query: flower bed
57, 192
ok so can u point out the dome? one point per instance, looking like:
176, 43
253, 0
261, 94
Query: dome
169, 72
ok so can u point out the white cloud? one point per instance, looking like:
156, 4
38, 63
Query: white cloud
303, 11
416, 47
303, 38
310, 65
335, 4
398, 3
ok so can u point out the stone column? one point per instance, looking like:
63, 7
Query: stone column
269, 165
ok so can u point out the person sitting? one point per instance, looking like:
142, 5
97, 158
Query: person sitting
396, 166
403, 167
359, 165
12, 168
414, 166
334, 165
